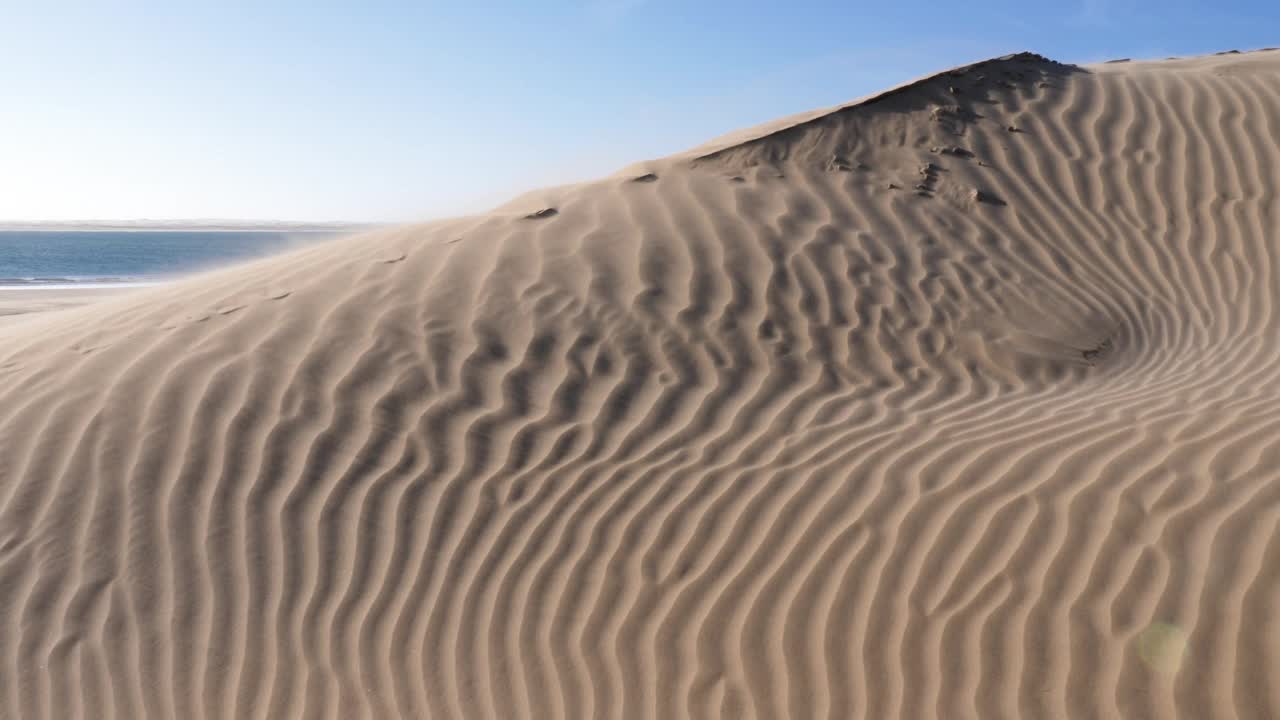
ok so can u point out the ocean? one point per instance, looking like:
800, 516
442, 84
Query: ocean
33, 259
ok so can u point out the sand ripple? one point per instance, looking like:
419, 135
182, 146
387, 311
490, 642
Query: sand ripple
955, 402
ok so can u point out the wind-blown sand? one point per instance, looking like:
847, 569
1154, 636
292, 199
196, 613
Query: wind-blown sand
22, 303
956, 402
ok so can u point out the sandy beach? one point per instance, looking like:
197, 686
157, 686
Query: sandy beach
18, 304
952, 402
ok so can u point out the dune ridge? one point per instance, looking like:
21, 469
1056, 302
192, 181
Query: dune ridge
953, 403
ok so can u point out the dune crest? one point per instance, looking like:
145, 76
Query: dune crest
954, 402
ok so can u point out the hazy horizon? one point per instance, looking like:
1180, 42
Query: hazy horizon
191, 223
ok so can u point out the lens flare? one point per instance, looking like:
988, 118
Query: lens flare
1161, 646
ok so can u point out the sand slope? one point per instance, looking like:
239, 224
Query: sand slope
745, 432
20, 304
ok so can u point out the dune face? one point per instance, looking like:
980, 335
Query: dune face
955, 402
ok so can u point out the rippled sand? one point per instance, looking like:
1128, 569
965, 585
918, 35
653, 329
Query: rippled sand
954, 402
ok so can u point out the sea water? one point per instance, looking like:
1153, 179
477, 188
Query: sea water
34, 259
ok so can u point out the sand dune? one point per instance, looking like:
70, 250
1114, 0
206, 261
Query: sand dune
954, 402
19, 304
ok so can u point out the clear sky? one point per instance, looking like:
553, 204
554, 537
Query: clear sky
276, 109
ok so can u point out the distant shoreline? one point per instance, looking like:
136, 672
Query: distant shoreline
186, 226
80, 257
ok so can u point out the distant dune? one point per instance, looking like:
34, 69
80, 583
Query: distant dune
953, 402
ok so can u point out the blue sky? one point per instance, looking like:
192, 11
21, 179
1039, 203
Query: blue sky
407, 110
